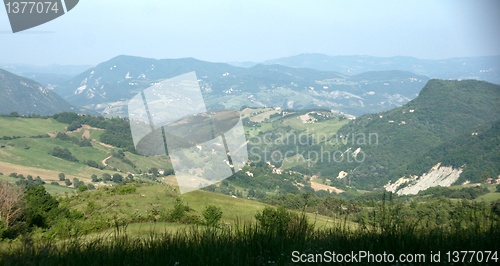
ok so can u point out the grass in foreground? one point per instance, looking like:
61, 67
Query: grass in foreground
273, 237
250, 244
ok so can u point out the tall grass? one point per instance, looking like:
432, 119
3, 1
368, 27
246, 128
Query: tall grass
256, 244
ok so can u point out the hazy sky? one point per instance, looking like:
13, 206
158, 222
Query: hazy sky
255, 30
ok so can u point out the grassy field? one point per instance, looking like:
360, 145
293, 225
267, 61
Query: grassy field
31, 156
163, 198
35, 153
489, 197
14, 126
259, 244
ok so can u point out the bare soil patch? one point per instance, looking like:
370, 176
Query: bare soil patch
317, 187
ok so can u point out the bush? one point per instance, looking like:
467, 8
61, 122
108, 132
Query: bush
106, 177
274, 221
94, 164
117, 178
126, 189
62, 136
82, 188
94, 178
63, 153
74, 126
180, 213
212, 215
84, 143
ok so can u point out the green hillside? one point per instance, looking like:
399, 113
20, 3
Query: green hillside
98, 146
453, 122
28, 146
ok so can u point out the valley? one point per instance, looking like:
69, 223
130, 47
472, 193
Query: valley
314, 172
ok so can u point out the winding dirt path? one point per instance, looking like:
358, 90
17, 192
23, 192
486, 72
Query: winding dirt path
104, 162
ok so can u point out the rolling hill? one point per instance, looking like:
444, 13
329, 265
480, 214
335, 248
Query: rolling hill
451, 123
26, 97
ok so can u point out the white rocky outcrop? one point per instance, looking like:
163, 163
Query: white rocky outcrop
438, 175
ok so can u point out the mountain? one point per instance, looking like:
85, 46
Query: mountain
451, 124
485, 68
109, 85
25, 96
49, 76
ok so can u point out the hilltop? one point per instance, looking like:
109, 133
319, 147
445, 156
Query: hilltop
454, 123
25, 96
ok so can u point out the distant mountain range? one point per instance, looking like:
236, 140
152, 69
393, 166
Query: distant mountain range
25, 96
354, 85
109, 85
49, 76
485, 68
455, 123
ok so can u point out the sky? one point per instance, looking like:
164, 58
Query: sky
256, 30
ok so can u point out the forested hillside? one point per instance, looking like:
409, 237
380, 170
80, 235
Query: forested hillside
453, 122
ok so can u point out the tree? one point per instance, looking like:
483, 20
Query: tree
62, 177
74, 126
82, 187
94, 178
154, 171
212, 215
117, 178
498, 188
106, 177
10, 202
64, 154
67, 182
274, 221
179, 211
41, 207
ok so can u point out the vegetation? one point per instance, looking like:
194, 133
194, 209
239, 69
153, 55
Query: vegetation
453, 122
103, 204
436, 226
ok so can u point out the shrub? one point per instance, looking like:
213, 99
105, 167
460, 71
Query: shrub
82, 188
74, 126
106, 177
94, 164
212, 215
94, 178
63, 153
117, 178
274, 221
126, 189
